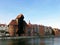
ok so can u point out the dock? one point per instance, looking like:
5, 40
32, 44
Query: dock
20, 37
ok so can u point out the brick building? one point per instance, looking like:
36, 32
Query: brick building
42, 30
56, 31
13, 28
18, 27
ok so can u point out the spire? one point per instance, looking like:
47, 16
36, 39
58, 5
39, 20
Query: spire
29, 22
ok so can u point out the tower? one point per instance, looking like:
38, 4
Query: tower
20, 19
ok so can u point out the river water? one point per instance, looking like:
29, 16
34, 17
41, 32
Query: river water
33, 41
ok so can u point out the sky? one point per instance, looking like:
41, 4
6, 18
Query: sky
43, 12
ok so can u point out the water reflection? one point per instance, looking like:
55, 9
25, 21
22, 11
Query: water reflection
56, 41
42, 41
34, 41
17, 42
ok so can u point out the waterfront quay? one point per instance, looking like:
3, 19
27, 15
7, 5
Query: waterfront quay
19, 27
20, 37
18, 32
31, 41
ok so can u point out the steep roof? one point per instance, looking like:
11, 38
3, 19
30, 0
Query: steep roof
2, 24
13, 22
19, 16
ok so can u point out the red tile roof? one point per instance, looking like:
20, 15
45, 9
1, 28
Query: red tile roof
2, 24
13, 22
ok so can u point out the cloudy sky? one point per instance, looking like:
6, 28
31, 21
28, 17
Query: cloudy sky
45, 12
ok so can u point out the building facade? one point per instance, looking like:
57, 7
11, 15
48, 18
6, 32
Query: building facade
48, 30
19, 27
3, 29
42, 30
56, 31
13, 28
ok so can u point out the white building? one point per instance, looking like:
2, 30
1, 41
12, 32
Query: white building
3, 29
48, 30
